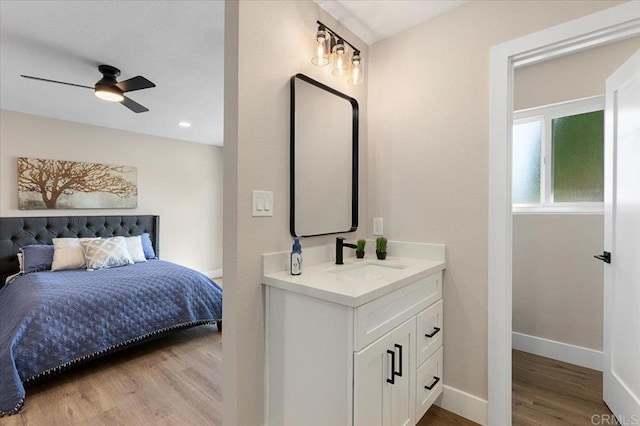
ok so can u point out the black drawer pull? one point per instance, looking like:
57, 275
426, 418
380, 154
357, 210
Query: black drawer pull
392, 380
399, 374
435, 331
435, 382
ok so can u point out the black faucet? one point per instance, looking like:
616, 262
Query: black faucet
339, 245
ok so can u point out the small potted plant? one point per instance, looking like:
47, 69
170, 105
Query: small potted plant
381, 248
360, 248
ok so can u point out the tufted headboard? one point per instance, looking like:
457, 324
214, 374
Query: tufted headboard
16, 232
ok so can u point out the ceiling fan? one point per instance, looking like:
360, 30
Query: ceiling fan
109, 89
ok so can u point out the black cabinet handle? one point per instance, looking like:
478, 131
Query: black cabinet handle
605, 257
435, 382
435, 331
392, 380
399, 374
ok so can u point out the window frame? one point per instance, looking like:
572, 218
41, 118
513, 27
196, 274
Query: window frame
547, 114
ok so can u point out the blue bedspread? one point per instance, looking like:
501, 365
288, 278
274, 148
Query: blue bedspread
53, 319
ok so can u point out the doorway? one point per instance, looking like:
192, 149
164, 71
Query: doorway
605, 27
558, 225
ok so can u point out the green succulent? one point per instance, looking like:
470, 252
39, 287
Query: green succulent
381, 245
360, 245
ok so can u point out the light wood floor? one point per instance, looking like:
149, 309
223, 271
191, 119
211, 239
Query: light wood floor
437, 416
548, 392
174, 380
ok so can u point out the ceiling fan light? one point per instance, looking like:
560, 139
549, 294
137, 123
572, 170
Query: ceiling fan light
109, 93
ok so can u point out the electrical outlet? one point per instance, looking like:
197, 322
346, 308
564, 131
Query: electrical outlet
378, 228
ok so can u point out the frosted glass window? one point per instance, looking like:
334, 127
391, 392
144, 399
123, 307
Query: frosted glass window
527, 141
578, 157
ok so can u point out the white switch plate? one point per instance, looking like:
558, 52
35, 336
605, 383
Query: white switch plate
378, 228
262, 204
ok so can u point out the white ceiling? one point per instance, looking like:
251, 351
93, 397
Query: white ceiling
378, 19
178, 45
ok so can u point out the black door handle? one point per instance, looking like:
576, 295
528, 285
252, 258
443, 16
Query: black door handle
435, 382
605, 257
399, 374
392, 380
435, 331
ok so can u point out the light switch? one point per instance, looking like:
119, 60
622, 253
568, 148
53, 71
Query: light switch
268, 201
262, 203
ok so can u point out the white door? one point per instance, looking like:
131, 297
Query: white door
622, 240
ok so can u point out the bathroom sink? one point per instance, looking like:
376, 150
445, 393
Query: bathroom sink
367, 271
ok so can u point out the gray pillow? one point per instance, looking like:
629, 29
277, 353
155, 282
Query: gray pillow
106, 253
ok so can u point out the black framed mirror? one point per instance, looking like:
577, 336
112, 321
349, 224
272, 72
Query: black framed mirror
324, 159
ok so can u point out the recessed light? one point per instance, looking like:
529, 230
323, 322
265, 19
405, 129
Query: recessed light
184, 124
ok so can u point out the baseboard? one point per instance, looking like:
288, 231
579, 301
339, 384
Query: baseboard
463, 404
216, 273
559, 351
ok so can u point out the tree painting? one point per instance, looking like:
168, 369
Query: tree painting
53, 184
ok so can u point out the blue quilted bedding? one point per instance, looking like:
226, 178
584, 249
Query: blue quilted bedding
55, 319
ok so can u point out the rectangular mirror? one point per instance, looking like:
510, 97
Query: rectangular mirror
324, 159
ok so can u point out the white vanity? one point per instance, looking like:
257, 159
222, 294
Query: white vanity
354, 344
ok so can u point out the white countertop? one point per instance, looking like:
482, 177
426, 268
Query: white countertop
321, 281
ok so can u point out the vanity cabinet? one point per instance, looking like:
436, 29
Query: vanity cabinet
330, 363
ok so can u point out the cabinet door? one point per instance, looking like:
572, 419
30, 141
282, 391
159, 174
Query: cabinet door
402, 392
384, 374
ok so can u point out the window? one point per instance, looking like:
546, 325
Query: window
558, 157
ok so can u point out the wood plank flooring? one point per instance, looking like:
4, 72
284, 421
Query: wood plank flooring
174, 380
437, 416
177, 380
547, 392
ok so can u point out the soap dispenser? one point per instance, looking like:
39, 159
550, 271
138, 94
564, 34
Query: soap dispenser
296, 257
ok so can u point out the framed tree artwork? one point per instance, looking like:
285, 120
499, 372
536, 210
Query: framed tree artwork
55, 184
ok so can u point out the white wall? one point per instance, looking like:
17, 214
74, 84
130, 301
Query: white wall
266, 43
574, 76
178, 180
557, 284
429, 127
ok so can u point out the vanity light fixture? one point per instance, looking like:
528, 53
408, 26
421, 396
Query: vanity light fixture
345, 58
184, 124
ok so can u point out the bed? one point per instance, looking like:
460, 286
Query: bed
51, 321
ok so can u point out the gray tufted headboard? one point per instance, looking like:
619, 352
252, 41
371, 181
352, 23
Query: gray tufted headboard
16, 232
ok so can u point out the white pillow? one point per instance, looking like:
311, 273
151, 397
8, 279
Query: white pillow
68, 254
106, 253
134, 245
20, 263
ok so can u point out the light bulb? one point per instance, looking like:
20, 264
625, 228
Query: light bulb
109, 93
339, 59
320, 53
357, 70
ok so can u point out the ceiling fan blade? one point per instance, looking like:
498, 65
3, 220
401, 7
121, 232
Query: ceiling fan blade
135, 83
55, 81
133, 105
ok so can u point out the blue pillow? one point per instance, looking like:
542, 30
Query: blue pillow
37, 257
147, 247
